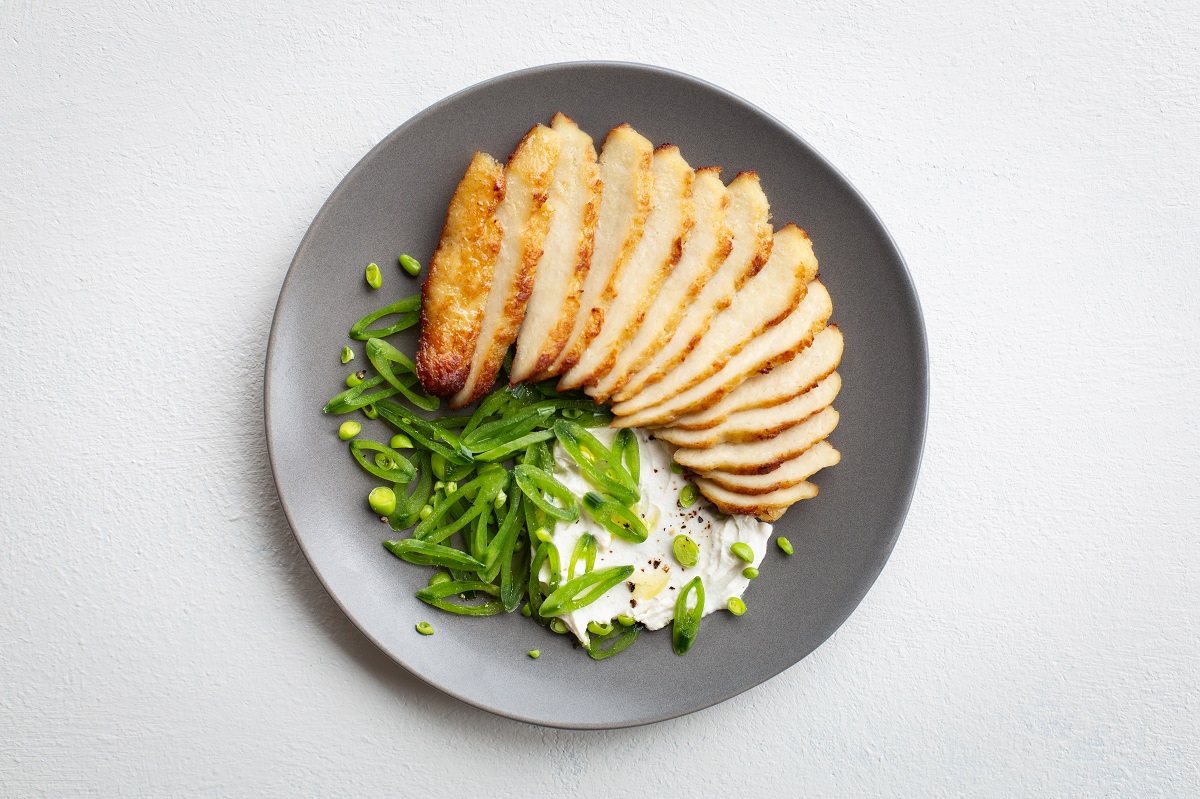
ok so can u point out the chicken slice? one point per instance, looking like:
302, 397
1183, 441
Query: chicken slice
524, 219
820, 455
567, 253
655, 256
771, 348
767, 507
759, 423
759, 457
460, 276
705, 249
626, 191
749, 220
775, 385
766, 299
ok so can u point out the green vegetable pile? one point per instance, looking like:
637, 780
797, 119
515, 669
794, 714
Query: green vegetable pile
478, 491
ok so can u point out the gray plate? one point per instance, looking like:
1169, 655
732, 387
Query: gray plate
394, 200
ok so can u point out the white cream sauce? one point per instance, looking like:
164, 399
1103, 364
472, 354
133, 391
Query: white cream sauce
649, 595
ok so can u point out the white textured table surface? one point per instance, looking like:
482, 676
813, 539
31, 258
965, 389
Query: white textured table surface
1035, 633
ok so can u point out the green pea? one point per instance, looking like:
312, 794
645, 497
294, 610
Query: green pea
439, 578
742, 551
499, 501
558, 626
535, 653
439, 485
401, 441
426, 510
526, 611
687, 552
349, 430
749, 572
370, 411
689, 495
438, 463
347, 355
425, 628
785, 545
355, 378
374, 278
410, 265
676, 468
572, 413
382, 500
596, 628
451, 487
736, 606
625, 620
383, 461
543, 535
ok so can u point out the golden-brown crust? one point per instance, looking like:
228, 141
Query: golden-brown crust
653, 404
688, 220
765, 241
554, 301
667, 323
647, 419
761, 243
643, 195
460, 275
760, 424
767, 507
610, 360
530, 168
817, 427
583, 261
749, 493
821, 455
767, 400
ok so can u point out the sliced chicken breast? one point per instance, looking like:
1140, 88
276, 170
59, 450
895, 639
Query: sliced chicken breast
749, 220
460, 276
760, 457
705, 249
820, 455
567, 253
775, 385
771, 348
767, 507
759, 423
627, 187
524, 218
652, 260
765, 300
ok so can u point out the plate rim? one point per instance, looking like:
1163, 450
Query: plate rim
909, 292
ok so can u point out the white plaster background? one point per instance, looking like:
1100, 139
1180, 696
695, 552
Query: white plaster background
1035, 633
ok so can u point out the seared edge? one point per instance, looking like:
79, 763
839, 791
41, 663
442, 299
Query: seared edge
767, 507
760, 457
524, 219
820, 455
460, 277
776, 346
627, 187
704, 250
567, 254
774, 385
760, 423
655, 255
766, 300
749, 219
